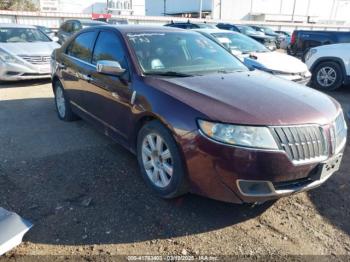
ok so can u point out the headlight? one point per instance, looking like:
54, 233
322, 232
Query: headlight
8, 58
310, 53
246, 136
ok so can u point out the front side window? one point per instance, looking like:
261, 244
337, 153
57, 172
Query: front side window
239, 42
81, 46
109, 47
22, 35
182, 52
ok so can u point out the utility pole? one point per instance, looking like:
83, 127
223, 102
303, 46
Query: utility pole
251, 10
200, 8
331, 14
293, 10
281, 5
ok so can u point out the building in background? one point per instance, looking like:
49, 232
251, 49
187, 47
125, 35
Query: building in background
182, 8
327, 11
117, 7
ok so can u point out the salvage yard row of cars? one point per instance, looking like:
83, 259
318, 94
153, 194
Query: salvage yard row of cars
203, 110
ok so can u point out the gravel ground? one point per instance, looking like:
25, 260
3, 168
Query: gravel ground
85, 197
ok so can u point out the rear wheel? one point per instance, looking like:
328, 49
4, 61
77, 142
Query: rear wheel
328, 76
63, 107
160, 161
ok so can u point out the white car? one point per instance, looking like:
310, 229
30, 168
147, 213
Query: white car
25, 53
256, 55
330, 65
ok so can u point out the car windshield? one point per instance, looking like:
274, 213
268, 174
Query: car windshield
22, 35
46, 30
181, 53
269, 30
247, 30
239, 42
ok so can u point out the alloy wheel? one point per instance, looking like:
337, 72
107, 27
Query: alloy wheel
157, 160
326, 76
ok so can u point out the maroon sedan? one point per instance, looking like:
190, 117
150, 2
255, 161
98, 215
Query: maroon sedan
198, 120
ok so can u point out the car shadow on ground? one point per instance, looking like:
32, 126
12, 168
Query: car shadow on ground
24, 83
79, 187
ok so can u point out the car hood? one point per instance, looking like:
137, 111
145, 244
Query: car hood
30, 49
251, 98
276, 61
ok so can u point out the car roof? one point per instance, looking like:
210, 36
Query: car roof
4, 25
125, 29
213, 31
86, 21
188, 22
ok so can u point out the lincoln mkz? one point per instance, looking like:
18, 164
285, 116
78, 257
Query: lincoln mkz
196, 117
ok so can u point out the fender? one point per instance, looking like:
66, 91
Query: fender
332, 59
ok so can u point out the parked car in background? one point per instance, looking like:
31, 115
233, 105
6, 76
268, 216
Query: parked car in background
268, 31
196, 117
330, 65
256, 55
70, 27
190, 25
118, 21
24, 52
286, 39
47, 31
302, 40
268, 41
285, 33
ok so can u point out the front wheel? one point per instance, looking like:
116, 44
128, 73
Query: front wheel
160, 161
328, 76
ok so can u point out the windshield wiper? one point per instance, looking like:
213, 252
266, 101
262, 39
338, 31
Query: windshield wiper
168, 73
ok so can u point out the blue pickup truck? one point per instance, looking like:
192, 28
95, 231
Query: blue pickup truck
303, 40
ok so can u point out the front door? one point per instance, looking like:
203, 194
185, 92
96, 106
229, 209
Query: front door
108, 97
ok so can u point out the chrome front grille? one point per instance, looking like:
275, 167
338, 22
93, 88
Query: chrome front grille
37, 60
338, 132
302, 143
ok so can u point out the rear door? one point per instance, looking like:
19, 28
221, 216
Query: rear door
108, 97
76, 64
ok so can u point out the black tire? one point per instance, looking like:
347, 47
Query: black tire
68, 114
339, 77
178, 182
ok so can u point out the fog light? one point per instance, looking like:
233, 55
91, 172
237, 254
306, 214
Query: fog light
255, 188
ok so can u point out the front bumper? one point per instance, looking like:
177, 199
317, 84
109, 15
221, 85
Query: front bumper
15, 72
297, 78
215, 171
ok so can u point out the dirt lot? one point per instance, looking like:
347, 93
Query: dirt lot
85, 196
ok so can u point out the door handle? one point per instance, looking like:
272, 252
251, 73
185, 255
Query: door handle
84, 77
87, 78
61, 66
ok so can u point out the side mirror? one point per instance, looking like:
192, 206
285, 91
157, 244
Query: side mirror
109, 68
55, 39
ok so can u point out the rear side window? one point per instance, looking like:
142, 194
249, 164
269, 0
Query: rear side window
81, 46
109, 47
64, 27
76, 27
